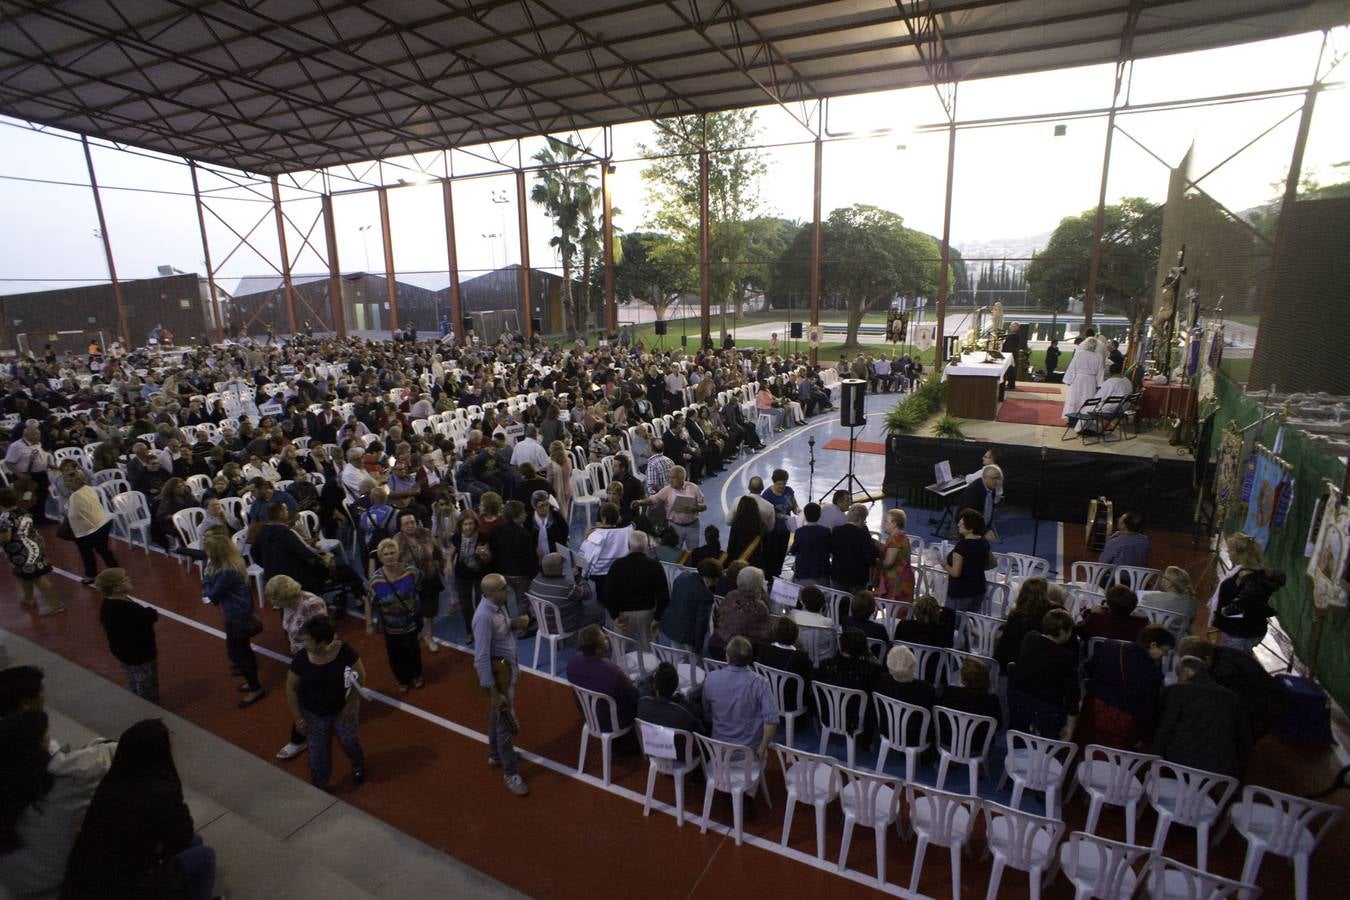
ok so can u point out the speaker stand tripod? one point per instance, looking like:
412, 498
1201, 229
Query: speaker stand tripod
849, 481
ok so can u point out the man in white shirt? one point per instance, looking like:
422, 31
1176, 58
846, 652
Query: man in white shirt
530, 450
27, 457
754, 489
353, 476
835, 512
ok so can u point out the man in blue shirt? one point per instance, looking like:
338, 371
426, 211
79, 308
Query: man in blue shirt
264, 495
811, 549
494, 645
1127, 547
739, 703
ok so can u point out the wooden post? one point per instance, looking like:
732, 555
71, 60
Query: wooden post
334, 272
943, 279
452, 256
206, 256
107, 247
285, 257
527, 307
607, 235
390, 286
816, 241
704, 276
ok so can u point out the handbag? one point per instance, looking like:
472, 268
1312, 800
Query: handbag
64, 531
243, 627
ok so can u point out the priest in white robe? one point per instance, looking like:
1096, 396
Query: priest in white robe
1083, 376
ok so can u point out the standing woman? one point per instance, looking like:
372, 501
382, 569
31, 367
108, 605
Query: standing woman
559, 475
90, 523
784, 504
297, 606
323, 703
897, 572
417, 548
966, 564
225, 583
746, 540
394, 597
469, 557
27, 554
138, 838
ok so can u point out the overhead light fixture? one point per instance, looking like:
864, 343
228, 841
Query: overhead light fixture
1061, 130
423, 178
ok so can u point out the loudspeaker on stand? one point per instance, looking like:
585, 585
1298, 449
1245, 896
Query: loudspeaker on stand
851, 402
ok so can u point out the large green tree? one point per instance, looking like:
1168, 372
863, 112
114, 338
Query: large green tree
734, 204
868, 257
1131, 242
566, 188
641, 275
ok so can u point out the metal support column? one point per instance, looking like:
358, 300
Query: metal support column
285, 256
815, 241
526, 305
391, 287
607, 235
107, 247
943, 277
1099, 222
704, 276
334, 272
452, 256
216, 312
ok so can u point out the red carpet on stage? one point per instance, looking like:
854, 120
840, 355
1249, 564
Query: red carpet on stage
858, 446
1037, 389
1031, 412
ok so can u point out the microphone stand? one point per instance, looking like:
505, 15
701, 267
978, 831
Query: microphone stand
811, 464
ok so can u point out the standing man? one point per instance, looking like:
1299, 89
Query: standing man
494, 661
1012, 345
682, 501
27, 457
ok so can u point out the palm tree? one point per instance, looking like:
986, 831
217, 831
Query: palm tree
567, 191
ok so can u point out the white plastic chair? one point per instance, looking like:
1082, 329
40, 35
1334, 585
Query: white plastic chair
1194, 798
1021, 840
940, 818
1037, 763
1138, 578
1112, 777
628, 655
1091, 574
1175, 623
980, 633
931, 662
873, 801
235, 513
550, 621
188, 522
1098, 868
894, 718
833, 704
785, 686
688, 665
1284, 825
590, 702
254, 571
732, 769
1170, 880
198, 484
819, 642
958, 742
954, 659
133, 514
661, 745
1024, 565
583, 496
813, 779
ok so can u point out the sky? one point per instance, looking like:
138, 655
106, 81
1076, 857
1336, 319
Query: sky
1011, 182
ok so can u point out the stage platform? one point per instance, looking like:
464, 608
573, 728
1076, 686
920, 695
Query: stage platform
1051, 477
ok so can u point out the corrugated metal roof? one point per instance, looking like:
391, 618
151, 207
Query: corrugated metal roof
286, 85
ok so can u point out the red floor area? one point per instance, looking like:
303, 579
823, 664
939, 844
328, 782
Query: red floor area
858, 446
568, 838
1035, 388
1031, 412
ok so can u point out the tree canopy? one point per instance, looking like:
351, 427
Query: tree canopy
568, 192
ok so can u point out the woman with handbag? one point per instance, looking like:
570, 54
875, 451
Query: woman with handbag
393, 598
417, 547
469, 559
324, 699
89, 525
225, 583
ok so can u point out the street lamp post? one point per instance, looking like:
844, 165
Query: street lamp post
365, 241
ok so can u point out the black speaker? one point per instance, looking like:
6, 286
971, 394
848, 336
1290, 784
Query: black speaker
684, 340
536, 325
796, 331
468, 323
661, 325
851, 403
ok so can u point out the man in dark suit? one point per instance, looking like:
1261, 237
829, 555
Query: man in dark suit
1012, 344
1202, 723
633, 488
668, 707
530, 483
548, 520
852, 551
324, 425
859, 615
982, 495
811, 549
782, 654
514, 553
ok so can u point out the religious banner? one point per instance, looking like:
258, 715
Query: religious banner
1270, 495
1328, 563
1228, 469
925, 336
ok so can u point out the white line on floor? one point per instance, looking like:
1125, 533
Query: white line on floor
552, 765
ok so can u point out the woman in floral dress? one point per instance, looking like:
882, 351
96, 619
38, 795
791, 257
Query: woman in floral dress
896, 578
27, 554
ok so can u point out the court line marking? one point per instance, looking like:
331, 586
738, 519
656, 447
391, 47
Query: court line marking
555, 766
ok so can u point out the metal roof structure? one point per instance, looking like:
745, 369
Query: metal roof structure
271, 86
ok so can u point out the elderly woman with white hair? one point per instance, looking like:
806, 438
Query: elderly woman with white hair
901, 682
1176, 594
744, 612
